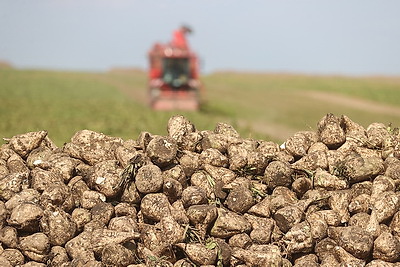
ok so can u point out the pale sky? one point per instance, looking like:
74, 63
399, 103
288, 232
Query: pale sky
352, 37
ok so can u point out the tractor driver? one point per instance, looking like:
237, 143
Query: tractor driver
179, 37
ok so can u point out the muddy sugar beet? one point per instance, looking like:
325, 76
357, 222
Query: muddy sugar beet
328, 197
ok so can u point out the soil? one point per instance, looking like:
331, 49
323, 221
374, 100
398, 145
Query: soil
356, 103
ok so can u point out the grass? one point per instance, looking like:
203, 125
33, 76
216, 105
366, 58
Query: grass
264, 106
381, 89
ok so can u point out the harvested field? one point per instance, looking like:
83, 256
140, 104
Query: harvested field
259, 105
328, 197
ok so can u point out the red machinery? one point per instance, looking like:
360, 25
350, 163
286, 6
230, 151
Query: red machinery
173, 78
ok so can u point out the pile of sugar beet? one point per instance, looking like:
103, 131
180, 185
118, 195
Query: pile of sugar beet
328, 197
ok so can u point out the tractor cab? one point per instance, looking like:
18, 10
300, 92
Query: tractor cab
176, 72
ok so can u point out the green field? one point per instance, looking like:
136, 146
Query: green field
263, 106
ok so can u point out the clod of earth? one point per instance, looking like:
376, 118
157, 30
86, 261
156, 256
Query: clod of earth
328, 197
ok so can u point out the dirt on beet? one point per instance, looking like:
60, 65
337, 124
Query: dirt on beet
328, 197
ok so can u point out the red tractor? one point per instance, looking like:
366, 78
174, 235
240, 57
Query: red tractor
174, 75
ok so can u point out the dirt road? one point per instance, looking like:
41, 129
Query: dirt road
352, 102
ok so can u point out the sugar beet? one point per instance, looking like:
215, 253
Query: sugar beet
324, 198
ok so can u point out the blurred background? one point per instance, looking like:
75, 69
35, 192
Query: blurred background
269, 68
